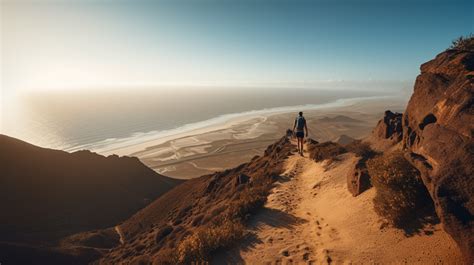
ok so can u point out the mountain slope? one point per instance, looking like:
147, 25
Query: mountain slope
47, 194
159, 232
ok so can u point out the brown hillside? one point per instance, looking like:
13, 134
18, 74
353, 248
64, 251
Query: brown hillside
160, 231
47, 194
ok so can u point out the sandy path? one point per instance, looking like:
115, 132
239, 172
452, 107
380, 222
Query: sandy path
289, 229
310, 218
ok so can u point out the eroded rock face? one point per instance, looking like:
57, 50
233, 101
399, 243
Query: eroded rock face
390, 127
358, 179
438, 126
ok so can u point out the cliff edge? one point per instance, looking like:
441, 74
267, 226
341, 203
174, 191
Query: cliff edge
438, 126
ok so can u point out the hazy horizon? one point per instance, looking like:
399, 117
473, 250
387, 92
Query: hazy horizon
85, 52
95, 119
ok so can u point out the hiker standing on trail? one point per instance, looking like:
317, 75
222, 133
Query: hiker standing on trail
299, 128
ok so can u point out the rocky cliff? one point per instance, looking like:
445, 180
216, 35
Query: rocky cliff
438, 126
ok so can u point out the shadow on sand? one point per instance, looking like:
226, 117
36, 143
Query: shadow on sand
421, 223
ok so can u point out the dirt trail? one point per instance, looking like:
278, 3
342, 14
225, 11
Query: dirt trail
289, 228
311, 218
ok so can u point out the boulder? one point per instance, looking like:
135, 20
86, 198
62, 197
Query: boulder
358, 179
438, 126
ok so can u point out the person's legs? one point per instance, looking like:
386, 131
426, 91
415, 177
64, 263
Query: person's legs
300, 145
301, 142
299, 139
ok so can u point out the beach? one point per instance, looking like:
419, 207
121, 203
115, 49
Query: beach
229, 141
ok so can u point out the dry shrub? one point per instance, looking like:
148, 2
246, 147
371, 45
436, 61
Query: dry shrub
227, 228
197, 247
400, 190
463, 43
327, 150
250, 199
361, 149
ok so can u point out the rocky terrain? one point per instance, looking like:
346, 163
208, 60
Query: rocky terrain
438, 128
436, 133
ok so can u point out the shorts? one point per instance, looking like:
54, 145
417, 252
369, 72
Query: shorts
300, 134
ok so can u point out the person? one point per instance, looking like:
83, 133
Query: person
299, 128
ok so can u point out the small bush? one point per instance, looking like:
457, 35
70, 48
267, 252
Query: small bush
322, 151
197, 247
463, 43
250, 199
360, 148
400, 191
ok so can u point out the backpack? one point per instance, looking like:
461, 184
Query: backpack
300, 123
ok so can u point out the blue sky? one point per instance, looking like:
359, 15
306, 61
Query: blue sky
74, 44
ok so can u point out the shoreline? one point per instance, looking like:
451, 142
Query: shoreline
141, 140
228, 144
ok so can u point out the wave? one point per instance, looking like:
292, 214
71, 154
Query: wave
111, 144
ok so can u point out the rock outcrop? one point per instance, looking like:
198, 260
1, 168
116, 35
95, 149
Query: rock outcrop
438, 126
390, 127
358, 179
388, 132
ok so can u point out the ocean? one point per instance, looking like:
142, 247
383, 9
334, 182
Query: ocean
103, 120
